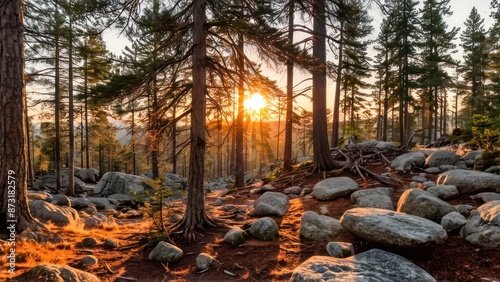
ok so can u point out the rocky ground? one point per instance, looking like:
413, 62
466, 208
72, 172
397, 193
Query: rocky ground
117, 246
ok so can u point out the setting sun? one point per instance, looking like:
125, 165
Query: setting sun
255, 102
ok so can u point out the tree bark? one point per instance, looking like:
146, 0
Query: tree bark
239, 165
336, 105
71, 173
195, 216
14, 210
57, 93
323, 160
287, 156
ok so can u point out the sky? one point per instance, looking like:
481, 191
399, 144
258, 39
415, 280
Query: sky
461, 10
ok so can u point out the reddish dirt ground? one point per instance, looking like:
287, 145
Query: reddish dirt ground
455, 260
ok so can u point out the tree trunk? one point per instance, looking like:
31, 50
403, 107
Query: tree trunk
287, 155
71, 173
195, 216
85, 92
14, 210
239, 167
57, 159
323, 160
336, 105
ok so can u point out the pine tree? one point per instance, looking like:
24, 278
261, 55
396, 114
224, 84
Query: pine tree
473, 40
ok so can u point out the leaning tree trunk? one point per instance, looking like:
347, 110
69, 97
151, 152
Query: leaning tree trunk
14, 210
195, 216
322, 157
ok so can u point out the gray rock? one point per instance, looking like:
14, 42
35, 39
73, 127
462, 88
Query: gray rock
87, 175
89, 242
375, 201
96, 220
54, 272
293, 190
444, 168
80, 203
483, 226
444, 192
265, 229
471, 156
235, 237
407, 161
433, 170
419, 179
463, 209
441, 157
101, 203
340, 249
121, 183
486, 197
122, 200
369, 192
320, 227
174, 181
111, 244
270, 203
49, 182
470, 182
218, 202
61, 200
370, 266
89, 260
461, 165
392, 229
203, 261
36, 195
166, 253
58, 215
453, 221
334, 187
493, 169
429, 184
424, 204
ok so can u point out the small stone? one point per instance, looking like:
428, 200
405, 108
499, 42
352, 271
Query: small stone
265, 229
235, 237
89, 260
166, 253
340, 249
111, 244
89, 242
453, 221
203, 261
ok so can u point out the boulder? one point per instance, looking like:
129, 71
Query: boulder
270, 203
441, 157
59, 273
58, 215
493, 169
235, 237
101, 203
372, 265
486, 197
370, 192
472, 155
407, 161
174, 181
453, 221
470, 181
375, 201
49, 182
96, 220
121, 183
483, 226
392, 229
320, 227
433, 170
60, 200
340, 249
334, 187
444, 192
424, 204
87, 175
166, 253
89, 260
265, 229
39, 195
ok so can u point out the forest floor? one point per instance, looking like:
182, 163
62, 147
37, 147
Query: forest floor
455, 260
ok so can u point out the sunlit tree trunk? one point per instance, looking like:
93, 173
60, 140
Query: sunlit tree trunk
71, 173
57, 158
14, 210
336, 106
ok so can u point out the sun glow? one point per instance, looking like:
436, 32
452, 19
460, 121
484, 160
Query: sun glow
255, 103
